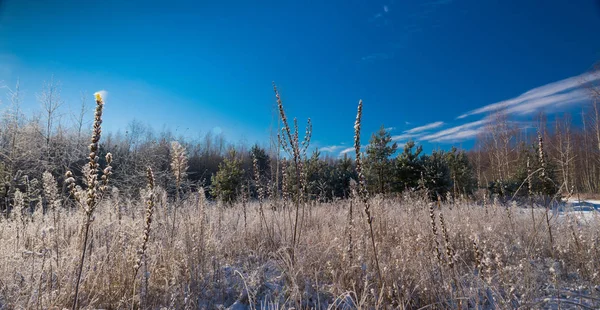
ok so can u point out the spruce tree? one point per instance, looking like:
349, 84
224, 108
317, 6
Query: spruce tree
436, 174
408, 168
379, 166
461, 172
227, 181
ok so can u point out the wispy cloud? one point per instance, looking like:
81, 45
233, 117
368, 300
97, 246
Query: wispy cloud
468, 132
459, 136
404, 136
381, 17
425, 127
455, 133
331, 148
390, 128
552, 101
416, 132
348, 150
569, 90
548, 97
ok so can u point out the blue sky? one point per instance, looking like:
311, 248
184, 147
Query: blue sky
426, 69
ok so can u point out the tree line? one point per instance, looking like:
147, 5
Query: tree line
555, 157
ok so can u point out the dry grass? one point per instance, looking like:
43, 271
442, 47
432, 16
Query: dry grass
215, 261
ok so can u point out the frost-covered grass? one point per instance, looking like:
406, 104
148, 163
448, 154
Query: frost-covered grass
217, 259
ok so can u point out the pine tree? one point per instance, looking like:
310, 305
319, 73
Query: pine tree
317, 175
342, 174
264, 161
546, 184
436, 174
461, 172
408, 168
227, 181
378, 162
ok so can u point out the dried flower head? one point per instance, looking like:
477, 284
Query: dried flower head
179, 161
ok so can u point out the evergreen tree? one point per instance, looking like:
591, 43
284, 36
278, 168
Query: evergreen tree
317, 177
343, 172
546, 184
264, 161
227, 181
408, 168
436, 174
461, 172
378, 161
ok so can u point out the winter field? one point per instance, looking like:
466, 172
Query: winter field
306, 155
76, 241
204, 256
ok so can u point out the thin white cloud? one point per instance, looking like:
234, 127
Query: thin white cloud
348, 150
452, 132
404, 136
425, 127
534, 99
549, 97
390, 128
331, 148
531, 106
459, 136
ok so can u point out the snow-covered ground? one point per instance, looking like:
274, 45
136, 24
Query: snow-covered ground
585, 211
588, 202
581, 209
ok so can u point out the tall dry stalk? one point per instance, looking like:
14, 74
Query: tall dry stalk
530, 192
53, 202
18, 217
261, 196
291, 144
435, 234
244, 208
88, 200
146, 236
363, 194
544, 178
449, 249
179, 165
350, 227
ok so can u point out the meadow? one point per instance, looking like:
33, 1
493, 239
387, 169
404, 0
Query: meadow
96, 248
480, 256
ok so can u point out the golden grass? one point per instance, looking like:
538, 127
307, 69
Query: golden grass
201, 268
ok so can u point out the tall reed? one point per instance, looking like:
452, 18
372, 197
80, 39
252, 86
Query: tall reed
362, 188
88, 200
291, 144
146, 235
179, 165
544, 179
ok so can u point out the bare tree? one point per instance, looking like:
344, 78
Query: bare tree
563, 153
79, 118
50, 101
500, 142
